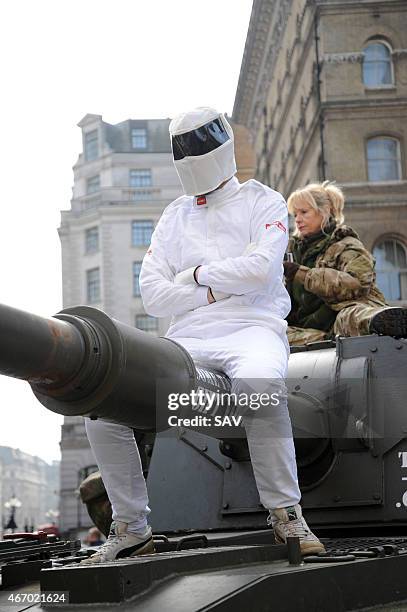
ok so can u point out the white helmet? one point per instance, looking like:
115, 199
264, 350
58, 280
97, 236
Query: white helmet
203, 150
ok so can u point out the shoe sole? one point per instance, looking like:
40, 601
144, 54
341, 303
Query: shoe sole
148, 549
390, 322
305, 549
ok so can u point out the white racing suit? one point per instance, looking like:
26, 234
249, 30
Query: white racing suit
243, 335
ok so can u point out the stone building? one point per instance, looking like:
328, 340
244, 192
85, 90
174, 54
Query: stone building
323, 91
123, 180
33, 481
77, 462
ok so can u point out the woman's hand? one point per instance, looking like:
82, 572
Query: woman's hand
290, 269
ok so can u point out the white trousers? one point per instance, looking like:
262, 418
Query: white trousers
255, 358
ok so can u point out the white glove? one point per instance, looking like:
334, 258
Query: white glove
219, 295
186, 277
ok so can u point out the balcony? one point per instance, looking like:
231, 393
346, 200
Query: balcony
125, 196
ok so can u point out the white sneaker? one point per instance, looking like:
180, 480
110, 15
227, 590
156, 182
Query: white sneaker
290, 522
121, 543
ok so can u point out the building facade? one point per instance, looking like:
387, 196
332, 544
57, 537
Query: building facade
34, 482
77, 462
323, 90
123, 179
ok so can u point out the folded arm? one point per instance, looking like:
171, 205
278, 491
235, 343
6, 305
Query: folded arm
161, 297
352, 281
253, 272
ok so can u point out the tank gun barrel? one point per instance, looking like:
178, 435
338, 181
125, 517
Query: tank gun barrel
81, 362
36, 348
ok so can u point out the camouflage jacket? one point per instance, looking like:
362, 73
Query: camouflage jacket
335, 271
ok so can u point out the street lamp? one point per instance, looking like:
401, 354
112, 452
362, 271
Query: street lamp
12, 504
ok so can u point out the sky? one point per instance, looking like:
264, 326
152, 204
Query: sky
61, 60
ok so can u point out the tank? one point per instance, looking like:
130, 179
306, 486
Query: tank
347, 405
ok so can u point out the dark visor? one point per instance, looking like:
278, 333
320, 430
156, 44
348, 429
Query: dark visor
200, 141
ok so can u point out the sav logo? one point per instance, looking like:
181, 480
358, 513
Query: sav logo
201, 200
277, 224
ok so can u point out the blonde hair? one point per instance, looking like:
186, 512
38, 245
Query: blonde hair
326, 198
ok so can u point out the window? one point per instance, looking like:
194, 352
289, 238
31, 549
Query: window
91, 240
141, 232
136, 278
91, 145
147, 324
377, 65
93, 184
93, 285
140, 178
391, 269
383, 159
139, 138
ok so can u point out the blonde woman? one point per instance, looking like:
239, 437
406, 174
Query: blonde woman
332, 278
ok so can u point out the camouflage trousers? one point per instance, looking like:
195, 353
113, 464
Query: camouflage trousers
350, 321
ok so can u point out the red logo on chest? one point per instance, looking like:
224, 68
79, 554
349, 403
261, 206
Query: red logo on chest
201, 200
277, 224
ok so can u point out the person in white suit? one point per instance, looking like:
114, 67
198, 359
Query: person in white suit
215, 265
